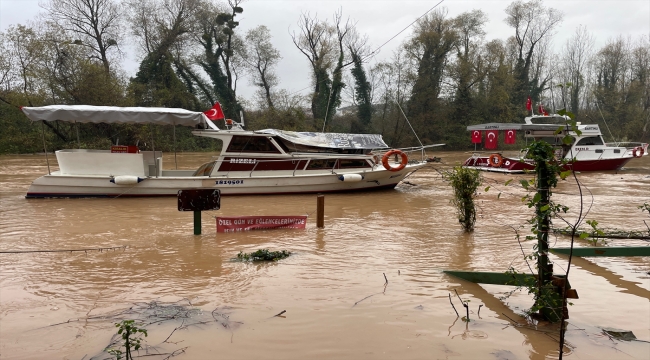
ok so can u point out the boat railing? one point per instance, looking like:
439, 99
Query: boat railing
626, 144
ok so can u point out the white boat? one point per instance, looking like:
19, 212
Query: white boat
587, 151
250, 162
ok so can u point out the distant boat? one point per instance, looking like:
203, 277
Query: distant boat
251, 162
587, 152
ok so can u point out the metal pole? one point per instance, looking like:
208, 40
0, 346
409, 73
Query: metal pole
155, 160
45, 148
320, 211
76, 125
197, 222
175, 163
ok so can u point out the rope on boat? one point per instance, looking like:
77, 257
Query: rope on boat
62, 250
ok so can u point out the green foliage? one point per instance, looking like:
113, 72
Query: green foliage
263, 255
362, 90
132, 337
156, 84
292, 119
464, 182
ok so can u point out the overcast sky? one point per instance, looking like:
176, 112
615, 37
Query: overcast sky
382, 19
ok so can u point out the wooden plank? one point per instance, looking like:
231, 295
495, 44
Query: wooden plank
496, 278
605, 251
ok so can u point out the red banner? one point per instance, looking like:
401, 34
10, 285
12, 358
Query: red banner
491, 139
529, 104
476, 137
246, 223
511, 136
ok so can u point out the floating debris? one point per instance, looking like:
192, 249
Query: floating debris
620, 334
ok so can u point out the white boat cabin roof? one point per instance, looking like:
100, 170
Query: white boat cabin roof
539, 124
204, 126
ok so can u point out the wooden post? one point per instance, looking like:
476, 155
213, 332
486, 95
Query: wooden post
544, 267
320, 211
197, 222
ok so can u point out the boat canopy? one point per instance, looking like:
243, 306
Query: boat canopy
330, 140
115, 114
513, 126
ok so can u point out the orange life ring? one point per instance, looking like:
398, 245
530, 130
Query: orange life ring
638, 152
402, 165
495, 160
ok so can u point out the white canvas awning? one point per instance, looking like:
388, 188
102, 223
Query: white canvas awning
115, 114
331, 140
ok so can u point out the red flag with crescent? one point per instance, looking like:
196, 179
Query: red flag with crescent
215, 113
510, 137
541, 109
476, 137
491, 139
529, 104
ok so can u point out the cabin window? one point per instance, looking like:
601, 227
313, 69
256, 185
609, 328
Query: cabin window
353, 163
591, 140
251, 144
205, 169
321, 164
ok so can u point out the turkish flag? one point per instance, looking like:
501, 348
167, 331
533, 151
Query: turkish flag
476, 137
510, 137
541, 109
491, 139
215, 113
529, 104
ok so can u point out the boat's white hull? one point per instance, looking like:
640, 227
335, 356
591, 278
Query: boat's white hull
100, 186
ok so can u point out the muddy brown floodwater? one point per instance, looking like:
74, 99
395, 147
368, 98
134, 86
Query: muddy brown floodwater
64, 305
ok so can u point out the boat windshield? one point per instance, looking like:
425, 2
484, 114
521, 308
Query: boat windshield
591, 140
252, 144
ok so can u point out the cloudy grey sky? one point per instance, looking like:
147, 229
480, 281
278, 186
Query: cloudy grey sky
382, 19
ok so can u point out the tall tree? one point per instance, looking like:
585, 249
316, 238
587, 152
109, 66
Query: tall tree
221, 47
468, 70
316, 42
576, 53
324, 45
533, 22
95, 23
434, 39
163, 27
362, 93
262, 57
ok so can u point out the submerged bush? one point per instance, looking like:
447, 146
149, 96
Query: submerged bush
464, 182
263, 255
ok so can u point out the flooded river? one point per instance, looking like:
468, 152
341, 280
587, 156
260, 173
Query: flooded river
201, 305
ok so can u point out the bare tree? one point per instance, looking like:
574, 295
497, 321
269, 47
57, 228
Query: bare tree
262, 57
316, 41
532, 22
97, 23
575, 56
